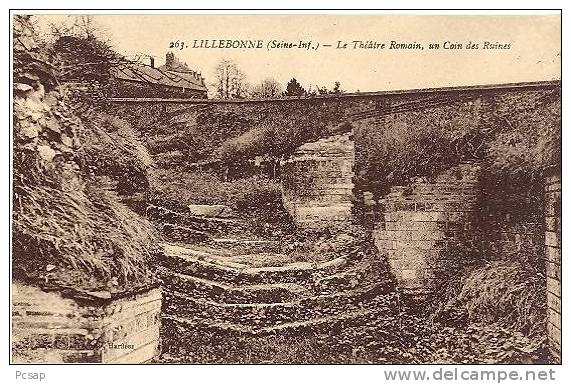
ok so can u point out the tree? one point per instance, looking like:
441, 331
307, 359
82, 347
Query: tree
293, 88
268, 88
230, 80
81, 26
337, 88
324, 91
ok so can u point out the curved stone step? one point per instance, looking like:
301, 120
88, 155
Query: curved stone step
205, 289
263, 259
273, 314
246, 245
203, 254
212, 225
216, 328
206, 266
179, 233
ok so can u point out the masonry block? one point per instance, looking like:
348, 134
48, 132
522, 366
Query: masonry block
425, 223
49, 328
317, 181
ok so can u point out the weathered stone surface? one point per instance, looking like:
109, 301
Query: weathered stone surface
317, 181
210, 210
216, 309
424, 222
48, 328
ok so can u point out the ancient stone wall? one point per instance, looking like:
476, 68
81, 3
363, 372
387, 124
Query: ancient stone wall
186, 131
553, 259
431, 227
317, 182
428, 225
48, 328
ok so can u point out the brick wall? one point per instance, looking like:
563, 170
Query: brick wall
48, 328
426, 226
553, 259
317, 182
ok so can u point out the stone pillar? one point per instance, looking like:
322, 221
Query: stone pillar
317, 186
427, 225
553, 259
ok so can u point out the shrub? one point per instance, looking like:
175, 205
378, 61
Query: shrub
80, 231
527, 140
280, 134
415, 143
177, 189
112, 148
514, 135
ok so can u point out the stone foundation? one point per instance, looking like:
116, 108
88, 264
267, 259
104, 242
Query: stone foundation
317, 181
553, 259
48, 328
426, 226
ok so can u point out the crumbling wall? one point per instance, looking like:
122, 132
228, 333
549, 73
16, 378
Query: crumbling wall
427, 226
433, 226
49, 328
317, 184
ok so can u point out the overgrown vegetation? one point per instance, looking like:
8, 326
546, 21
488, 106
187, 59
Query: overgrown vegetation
256, 196
70, 164
113, 148
486, 311
414, 143
513, 134
280, 135
510, 294
73, 165
492, 311
527, 136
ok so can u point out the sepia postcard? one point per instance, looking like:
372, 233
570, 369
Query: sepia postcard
286, 188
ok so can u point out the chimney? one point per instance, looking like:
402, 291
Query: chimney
152, 62
169, 60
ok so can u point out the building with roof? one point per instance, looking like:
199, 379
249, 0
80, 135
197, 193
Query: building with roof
174, 79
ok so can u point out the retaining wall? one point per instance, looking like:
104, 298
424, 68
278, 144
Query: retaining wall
181, 131
553, 259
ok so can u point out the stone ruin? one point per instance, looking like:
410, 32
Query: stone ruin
317, 181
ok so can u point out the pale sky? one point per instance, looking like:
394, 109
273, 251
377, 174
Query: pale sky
535, 43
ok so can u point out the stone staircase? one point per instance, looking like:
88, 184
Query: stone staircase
225, 295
